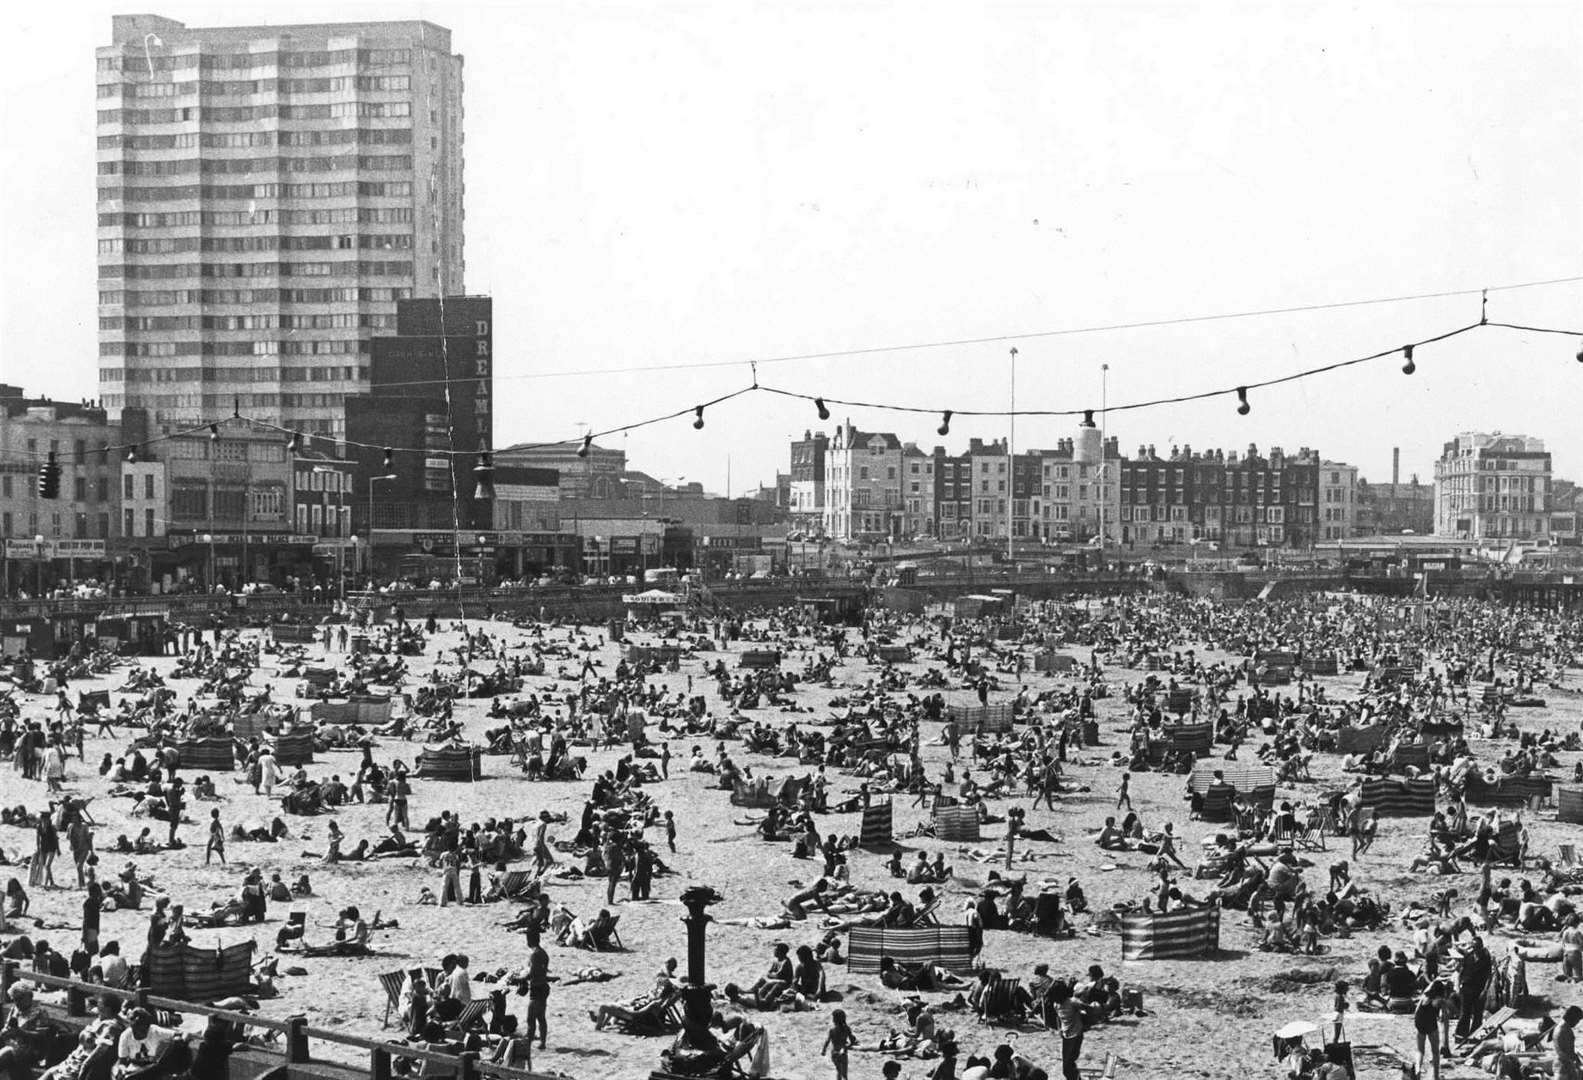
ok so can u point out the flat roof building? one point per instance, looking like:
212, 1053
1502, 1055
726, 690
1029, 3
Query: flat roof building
266, 196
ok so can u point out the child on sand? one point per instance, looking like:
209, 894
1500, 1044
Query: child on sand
837, 1042
216, 844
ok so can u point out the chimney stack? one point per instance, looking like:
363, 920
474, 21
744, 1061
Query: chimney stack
1396, 467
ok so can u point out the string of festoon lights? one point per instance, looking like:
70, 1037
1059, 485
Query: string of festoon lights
483, 469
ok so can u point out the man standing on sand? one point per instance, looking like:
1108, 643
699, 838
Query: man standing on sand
397, 791
613, 865
174, 803
1013, 827
538, 989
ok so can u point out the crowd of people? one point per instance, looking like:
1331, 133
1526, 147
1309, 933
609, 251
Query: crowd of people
976, 716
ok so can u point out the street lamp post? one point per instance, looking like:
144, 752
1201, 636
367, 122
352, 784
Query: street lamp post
38, 551
372, 480
208, 538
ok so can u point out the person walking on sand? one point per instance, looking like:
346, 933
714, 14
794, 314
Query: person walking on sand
268, 772
216, 845
1124, 793
542, 859
54, 766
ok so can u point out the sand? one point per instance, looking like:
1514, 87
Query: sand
1210, 1018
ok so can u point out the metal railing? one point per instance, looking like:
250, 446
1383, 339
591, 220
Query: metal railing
295, 1030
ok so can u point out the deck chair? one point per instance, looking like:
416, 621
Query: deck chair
514, 883
1001, 1002
611, 939
1110, 1067
665, 1021
296, 926
471, 1014
1509, 844
1491, 1027
1216, 806
1313, 834
1569, 856
392, 982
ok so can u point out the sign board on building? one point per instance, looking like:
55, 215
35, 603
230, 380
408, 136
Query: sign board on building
54, 549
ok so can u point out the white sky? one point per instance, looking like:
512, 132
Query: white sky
704, 182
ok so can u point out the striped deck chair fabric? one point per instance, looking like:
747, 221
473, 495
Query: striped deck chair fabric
391, 983
1360, 740
1001, 1001
1412, 756
877, 824
514, 882
295, 748
1398, 798
947, 946
457, 763
471, 1013
986, 719
218, 973
956, 824
1177, 935
1507, 790
1217, 803
210, 755
1194, 739
1242, 778
166, 975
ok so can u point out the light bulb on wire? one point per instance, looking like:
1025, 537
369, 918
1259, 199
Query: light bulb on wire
945, 423
698, 421
389, 453
824, 413
131, 455
214, 432
294, 444
588, 443
1409, 367
1243, 408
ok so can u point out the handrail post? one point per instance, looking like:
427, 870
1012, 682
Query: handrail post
8, 970
296, 1040
379, 1064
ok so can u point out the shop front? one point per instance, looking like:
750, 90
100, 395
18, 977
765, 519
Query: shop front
202, 561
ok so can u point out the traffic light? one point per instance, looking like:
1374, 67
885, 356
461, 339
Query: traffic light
49, 478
